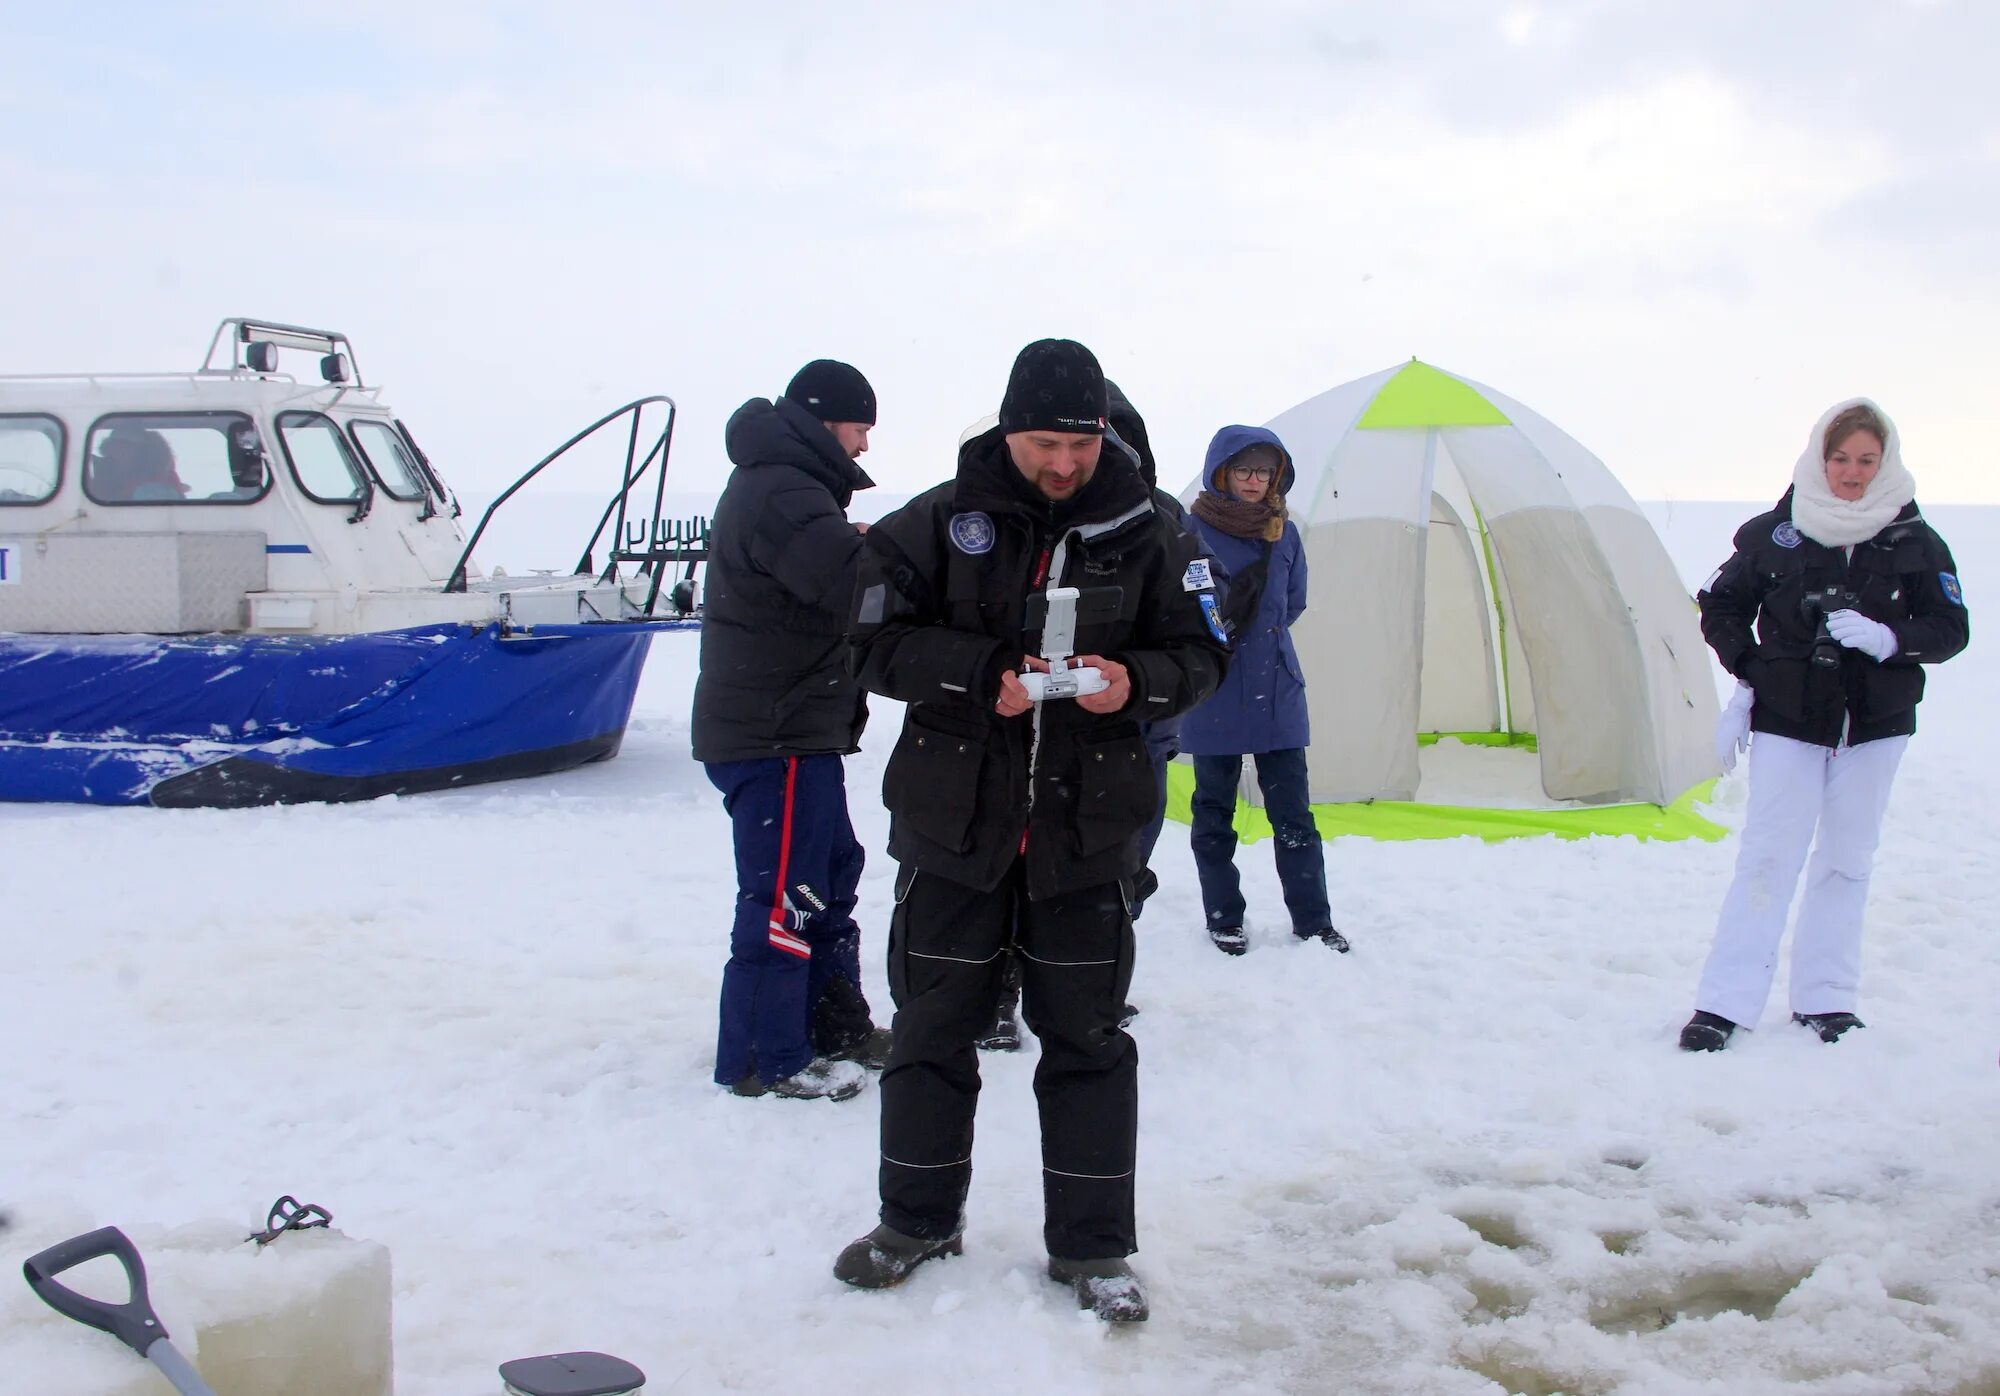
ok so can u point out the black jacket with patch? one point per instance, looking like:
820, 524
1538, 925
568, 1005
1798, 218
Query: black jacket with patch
782, 561
942, 612
1903, 577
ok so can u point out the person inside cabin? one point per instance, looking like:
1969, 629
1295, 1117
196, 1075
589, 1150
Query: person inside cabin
135, 465
246, 463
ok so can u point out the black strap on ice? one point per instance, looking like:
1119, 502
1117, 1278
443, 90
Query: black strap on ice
290, 1214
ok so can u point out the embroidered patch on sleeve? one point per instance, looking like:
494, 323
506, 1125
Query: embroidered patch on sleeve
1212, 613
1953, 592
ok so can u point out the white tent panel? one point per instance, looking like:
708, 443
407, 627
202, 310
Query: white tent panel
1504, 471
1667, 629
1460, 690
1517, 713
1589, 685
1448, 484
1359, 646
1313, 429
1374, 475
1587, 482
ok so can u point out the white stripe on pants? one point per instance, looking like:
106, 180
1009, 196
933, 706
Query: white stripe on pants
1796, 787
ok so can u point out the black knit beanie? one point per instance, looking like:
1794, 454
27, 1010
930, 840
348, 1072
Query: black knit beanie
1056, 385
833, 392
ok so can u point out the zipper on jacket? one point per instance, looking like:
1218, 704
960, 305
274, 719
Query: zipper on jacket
1048, 569
1035, 740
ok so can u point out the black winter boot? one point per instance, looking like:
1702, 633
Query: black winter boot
1230, 940
871, 1050
1107, 1287
1706, 1032
1329, 935
818, 1079
1829, 1026
843, 1029
1004, 1035
885, 1257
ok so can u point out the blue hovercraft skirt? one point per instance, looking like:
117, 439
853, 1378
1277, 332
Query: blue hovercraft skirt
235, 720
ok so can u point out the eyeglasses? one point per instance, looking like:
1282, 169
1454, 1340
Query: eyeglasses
1253, 472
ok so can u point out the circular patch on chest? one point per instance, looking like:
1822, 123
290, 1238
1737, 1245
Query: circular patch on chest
972, 533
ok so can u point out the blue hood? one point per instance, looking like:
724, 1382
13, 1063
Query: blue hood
1229, 441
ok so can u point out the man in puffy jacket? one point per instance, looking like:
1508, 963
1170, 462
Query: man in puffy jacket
1018, 822
775, 710
1125, 431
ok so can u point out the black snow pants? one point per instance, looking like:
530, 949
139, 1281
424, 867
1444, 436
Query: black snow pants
947, 945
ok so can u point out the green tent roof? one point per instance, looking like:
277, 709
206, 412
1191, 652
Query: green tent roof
1421, 396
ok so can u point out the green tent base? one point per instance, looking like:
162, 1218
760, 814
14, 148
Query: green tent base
1399, 819
1526, 741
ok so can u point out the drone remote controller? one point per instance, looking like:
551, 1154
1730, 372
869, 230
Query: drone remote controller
1066, 683
1058, 644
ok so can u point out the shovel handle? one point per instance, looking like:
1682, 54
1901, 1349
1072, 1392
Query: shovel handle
132, 1323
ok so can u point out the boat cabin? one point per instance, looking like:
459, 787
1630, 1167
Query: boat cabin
236, 498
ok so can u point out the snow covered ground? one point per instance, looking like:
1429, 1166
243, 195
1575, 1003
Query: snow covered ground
1466, 1158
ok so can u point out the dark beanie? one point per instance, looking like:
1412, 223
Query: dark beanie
833, 392
1056, 385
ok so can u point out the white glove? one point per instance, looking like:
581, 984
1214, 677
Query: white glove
1732, 729
1857, 632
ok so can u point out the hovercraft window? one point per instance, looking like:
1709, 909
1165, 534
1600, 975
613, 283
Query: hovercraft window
175, 458
326, 470
389, 458
31, 452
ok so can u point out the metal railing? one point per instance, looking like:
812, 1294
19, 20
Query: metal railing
636, 466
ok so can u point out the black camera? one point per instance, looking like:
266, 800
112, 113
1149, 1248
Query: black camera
1817, 606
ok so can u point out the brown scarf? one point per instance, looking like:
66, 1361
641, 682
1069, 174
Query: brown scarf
1240, 518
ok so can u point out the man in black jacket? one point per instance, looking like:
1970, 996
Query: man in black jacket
1125, 430
775, 709
1018, 822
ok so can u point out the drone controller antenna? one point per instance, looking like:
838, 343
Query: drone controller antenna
1059, 628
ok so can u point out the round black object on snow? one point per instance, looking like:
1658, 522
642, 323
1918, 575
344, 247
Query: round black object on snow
571, 1374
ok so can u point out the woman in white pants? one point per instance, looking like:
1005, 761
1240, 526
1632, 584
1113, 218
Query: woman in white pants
1849, 592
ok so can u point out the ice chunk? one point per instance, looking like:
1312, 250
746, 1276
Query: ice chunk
306, 1315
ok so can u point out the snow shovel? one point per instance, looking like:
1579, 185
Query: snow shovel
132, 1323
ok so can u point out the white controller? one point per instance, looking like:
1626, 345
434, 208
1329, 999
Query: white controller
1069, 683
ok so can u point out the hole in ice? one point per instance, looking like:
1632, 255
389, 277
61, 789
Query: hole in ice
1514, 1372
1496, 1301
1621, 1242
1495, 1229
1755, 1293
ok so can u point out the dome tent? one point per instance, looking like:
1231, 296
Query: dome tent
1478, 575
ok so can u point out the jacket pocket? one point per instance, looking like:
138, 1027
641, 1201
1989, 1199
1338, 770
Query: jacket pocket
1890, 689
933, 780
1116, 796
1288, 659
1780, 685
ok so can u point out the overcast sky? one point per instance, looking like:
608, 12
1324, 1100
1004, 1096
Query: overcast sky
1678, 230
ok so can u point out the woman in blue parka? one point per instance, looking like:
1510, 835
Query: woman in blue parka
1260, 709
